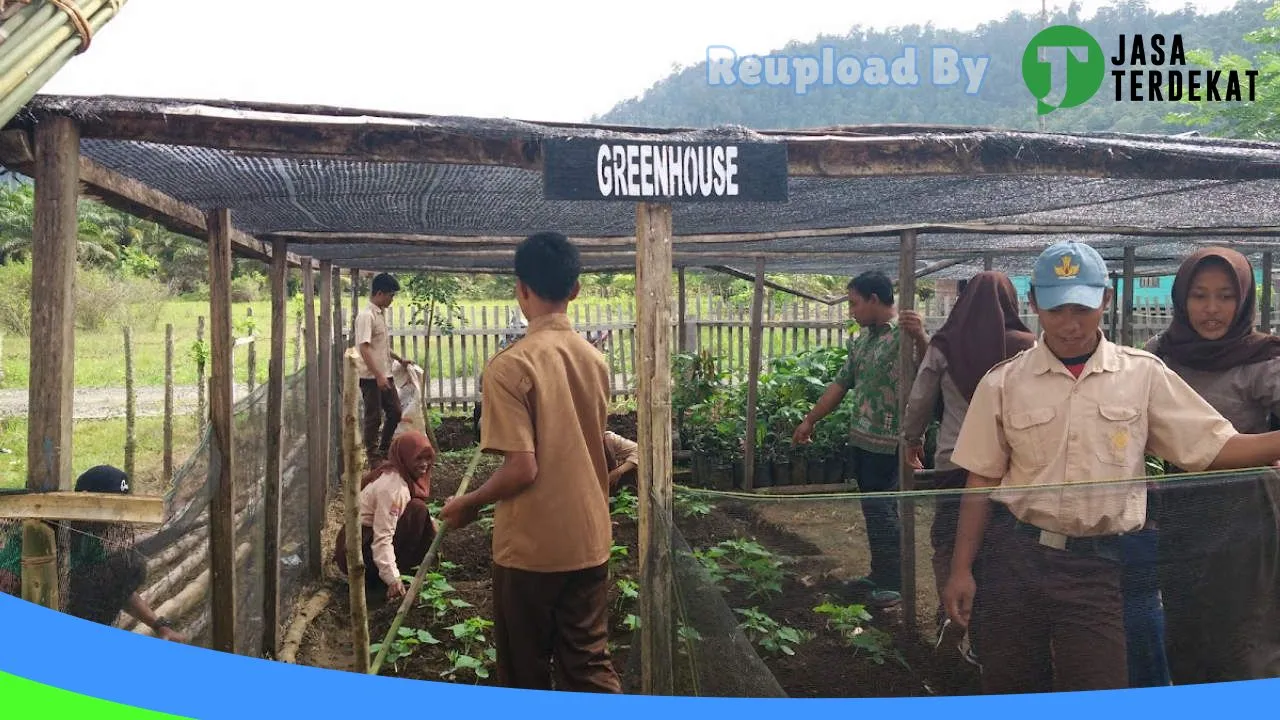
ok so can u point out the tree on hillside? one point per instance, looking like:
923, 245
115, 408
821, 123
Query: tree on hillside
1258, 120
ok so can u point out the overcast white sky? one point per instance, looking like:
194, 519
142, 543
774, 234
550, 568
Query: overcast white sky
544, 60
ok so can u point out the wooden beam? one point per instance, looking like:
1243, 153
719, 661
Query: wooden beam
336, 350
83, 507
846, 152
355, 306
129, 195
1126, 322
653, 352
221, 488
1267, 286
274, 476
753, 378
906, 474
315, 480
325, 341
54, 241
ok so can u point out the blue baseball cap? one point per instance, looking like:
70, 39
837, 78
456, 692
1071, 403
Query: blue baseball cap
1069, 273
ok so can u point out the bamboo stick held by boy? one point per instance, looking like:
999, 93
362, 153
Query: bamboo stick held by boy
545, 408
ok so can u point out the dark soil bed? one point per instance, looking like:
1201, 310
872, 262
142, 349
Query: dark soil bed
822, 667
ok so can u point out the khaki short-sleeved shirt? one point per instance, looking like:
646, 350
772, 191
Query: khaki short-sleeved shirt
620, 451
549, 394
371, 327
1032, 423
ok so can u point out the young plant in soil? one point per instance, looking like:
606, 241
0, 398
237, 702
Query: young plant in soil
769, 634
852, 622
407, 641
746, 562
624, 503
435, 595
475, 655
690, 505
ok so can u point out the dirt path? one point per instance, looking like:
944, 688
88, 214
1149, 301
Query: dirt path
107, 403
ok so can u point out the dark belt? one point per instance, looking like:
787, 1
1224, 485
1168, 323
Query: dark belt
1106, 546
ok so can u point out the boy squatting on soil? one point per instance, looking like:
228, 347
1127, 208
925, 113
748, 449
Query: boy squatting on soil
1047, 607
546, 401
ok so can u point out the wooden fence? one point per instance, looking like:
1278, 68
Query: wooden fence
453, 358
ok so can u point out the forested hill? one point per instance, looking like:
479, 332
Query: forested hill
686, 99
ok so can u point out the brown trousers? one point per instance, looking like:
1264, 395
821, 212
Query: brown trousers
946, 517
381, 412
560, 619
413, 537
1047, 620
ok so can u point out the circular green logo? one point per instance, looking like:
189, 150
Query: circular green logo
1073, 56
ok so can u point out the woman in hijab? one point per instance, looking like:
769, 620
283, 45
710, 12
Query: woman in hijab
104, 568
397, 529
1220, 542
983, 329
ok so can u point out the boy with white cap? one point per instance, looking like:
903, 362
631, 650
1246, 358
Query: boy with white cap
1048, 608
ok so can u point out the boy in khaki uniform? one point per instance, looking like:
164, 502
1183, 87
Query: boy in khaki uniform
545, 407
1047, 609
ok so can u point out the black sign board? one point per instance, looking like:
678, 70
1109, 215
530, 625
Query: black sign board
634, 171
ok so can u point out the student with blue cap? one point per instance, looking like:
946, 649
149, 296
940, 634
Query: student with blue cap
1048, 608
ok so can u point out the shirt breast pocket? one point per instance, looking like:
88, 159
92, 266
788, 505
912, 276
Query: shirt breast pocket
1028, 435
1117, 436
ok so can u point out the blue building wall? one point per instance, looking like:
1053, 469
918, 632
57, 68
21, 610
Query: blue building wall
1161, 293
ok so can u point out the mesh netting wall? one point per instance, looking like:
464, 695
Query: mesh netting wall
169, 565
769, 600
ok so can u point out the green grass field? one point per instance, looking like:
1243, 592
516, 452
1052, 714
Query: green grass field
97, 442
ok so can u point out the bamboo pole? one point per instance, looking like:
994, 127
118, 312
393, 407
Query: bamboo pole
906, 474
753, 380
411, 595
202, 411
351, 493
39, 564
298, 627
130, 408
168, 404
48, 54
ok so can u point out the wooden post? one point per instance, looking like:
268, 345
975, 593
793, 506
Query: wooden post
327, 377
53, 263
297, 345
222, 494
251, 353
130, 408
168, 404
1266, 293
753, 379
315, 496
336, 347
355, 306
653, 291
1115, 307
987, 262
351, 494
906, 474
680, 316
1126, 322
275, 421
202, 387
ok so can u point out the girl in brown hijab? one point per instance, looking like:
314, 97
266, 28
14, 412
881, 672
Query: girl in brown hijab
396, 527
983, 329
1220, 542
